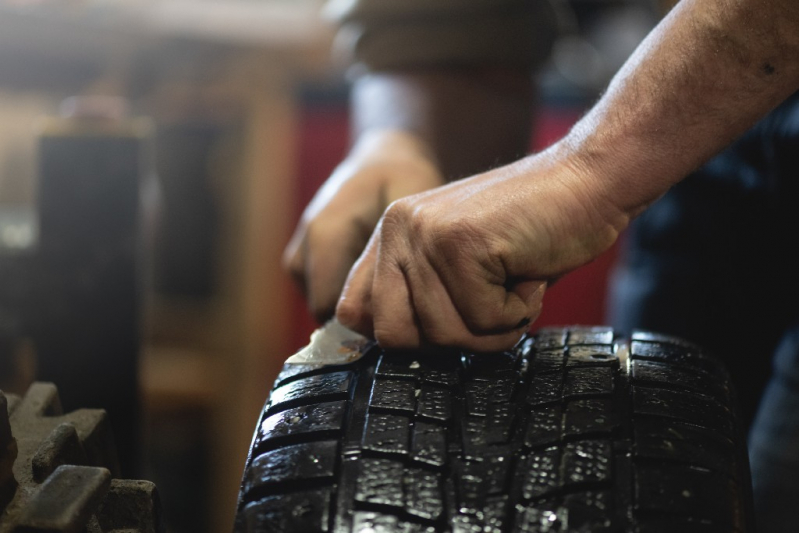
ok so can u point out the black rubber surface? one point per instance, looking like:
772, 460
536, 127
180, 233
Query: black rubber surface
574, 430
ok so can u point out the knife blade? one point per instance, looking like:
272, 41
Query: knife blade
332, 344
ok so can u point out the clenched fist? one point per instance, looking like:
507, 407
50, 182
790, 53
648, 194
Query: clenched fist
467, 264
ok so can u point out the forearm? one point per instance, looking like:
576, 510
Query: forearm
701, 78
470, 119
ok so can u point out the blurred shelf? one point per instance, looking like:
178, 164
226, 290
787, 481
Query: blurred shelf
66, 44
176, 377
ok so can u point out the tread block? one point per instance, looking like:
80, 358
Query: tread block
504, 386
589, 511
470, 487
671, 375
300, 511
474, 437
663, 339
333, 386
396, 395
542, 474
429, 444
398, 366
423, 494
588, 381
547, 361
478, 396
491, 366
380, 482
369, 522
686, 492
496, 470
544, 517
685, 444
434, 403
387, 433
587, 461
551, 338
292, 372
445, 377
545, 389
495, 514
700, 410
590, 335
590, 416
678, 355
480, 479
489, 518
499, 422
494, 428
322, 418
600, 355
544, 426
299, 462
388, 482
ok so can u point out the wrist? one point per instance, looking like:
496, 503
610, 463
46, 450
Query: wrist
617, 170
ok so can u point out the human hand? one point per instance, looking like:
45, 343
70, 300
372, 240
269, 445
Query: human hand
467, 264
382, 167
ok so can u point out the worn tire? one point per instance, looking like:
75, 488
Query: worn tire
59, 472
575, 430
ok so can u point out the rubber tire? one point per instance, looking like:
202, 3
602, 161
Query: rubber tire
574, 430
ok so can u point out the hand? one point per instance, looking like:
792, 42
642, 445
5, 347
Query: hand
381, 168
467, 264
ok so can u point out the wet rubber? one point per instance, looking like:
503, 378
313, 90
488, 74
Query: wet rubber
575, 430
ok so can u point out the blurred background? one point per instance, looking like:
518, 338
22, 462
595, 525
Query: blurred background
154, 158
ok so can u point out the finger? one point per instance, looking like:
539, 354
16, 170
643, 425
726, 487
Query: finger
395, 323
354, 308
531, 292
482, 296
441, 323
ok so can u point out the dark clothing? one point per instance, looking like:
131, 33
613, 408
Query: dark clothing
715, 261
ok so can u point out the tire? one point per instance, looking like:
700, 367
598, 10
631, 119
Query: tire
574, 430
58, 471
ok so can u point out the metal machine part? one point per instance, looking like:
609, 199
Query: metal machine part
58, 472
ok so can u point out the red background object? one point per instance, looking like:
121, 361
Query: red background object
578, 298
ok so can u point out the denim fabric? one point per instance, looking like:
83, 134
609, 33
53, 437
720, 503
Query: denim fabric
716, 261
774, 444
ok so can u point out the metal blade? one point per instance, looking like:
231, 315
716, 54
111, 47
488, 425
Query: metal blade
332, 344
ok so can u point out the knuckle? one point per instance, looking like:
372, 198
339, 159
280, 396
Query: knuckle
404, 217
399, 211
486, 318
